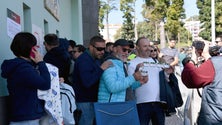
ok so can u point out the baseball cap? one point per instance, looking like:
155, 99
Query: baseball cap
121, 42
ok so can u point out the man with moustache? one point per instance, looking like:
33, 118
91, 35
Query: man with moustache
115, 80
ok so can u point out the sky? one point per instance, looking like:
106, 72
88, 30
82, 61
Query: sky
115, 17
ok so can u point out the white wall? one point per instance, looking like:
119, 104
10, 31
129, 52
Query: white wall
69, 25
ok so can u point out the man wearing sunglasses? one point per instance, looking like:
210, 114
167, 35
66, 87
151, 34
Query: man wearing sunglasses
87, 72
115, 80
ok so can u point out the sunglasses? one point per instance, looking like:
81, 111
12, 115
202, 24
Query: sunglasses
124, 50
99, 48
153, 50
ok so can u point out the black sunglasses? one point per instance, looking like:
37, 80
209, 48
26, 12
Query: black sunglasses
124, 50
99, 48
153, 50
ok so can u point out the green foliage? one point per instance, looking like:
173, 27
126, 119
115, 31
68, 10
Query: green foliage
160, 8
185, 35
174, 14
127, 32
155, 11
170, 11
218, 17
118, 34
146, 29
205, 17
104, 9
193, 18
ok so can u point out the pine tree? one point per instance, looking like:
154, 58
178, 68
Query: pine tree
127, 32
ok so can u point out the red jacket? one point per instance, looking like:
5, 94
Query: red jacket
197, 77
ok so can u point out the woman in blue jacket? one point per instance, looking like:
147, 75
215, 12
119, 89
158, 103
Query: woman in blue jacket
25, 74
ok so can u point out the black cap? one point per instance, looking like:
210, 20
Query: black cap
121, 42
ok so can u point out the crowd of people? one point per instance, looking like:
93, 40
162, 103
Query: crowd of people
203, 70
111, 72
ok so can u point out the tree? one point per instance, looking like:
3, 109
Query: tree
151, 19
193, 18
146, 29
166, 15
174, 14
185, 35
218, 17
104, 9
158, 12
126, 6
118, 34
205, 17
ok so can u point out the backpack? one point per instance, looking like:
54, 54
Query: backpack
68, 103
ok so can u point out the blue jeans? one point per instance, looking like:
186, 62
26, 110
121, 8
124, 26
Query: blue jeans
88, 115
151, 111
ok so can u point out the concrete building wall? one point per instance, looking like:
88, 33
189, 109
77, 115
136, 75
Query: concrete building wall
35, 17
77, 20
90, 20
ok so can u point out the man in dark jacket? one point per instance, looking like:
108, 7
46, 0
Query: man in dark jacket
57, 55
87, 72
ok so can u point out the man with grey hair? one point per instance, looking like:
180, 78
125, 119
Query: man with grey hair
115, 80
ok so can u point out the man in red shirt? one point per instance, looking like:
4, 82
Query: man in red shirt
208, 76
197, 77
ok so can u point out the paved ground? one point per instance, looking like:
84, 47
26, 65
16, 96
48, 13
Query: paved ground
178, 119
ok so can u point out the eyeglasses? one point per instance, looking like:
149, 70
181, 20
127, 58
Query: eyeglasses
124, 50
153, 50
99, 48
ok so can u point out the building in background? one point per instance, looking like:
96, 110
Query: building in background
194, 28
112, 32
